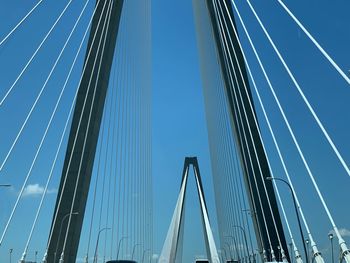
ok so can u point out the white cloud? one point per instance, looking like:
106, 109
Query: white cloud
342, 231
155, 256
36, 189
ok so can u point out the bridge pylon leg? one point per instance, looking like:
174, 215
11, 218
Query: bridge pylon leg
83, 137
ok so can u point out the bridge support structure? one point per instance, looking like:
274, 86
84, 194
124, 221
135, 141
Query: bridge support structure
83, 137
232, 70
172, 247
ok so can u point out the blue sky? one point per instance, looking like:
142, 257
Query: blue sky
179, 125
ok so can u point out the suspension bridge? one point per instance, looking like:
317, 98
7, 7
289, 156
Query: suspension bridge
77, 179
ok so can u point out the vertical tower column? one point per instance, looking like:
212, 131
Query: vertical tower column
246, 142
87, 131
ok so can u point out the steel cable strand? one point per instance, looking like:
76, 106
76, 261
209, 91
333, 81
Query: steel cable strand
249, 129
52, 116
119, 94
121, 128
50, 236
315, 42
101, 140
249, 155
20, 23
42, 139
125, 128
34, 55
314, 247
315, 116
107, 154
232, 213
277, 147
249, 182
79, 124
88, 125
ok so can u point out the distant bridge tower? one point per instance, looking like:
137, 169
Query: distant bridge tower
172, 248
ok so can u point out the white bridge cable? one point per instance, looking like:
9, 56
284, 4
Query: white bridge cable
120, 235
273, 136
324, 131
258, 130
123, 133
222, 168
34, 55
266, 117
230, 215
225, 46
99, 153
20, 23
41, 91
118, 143
110, 132
64, 130
83, 71
232, 179
315, 42
330, 217
241, 196
107, 19
236, 161
44, 135
341, 241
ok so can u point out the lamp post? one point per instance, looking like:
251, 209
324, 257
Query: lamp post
330, 236
245, 238
251, 214
143, 254
119, 244
11, 249
133, 250
59, 233
296, 211
98, 239
36, 256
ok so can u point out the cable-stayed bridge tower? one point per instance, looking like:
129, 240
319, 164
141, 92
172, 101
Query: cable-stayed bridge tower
172, 247
266, 218
84, 133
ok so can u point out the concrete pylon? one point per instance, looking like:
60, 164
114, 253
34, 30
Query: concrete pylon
172, 244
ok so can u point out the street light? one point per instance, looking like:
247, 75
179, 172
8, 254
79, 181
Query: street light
98, 239
11, 249
5, 185
330, 236
245, 238
296, 211
36, 256
119, 244
252, 214
59, 233
133, 250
